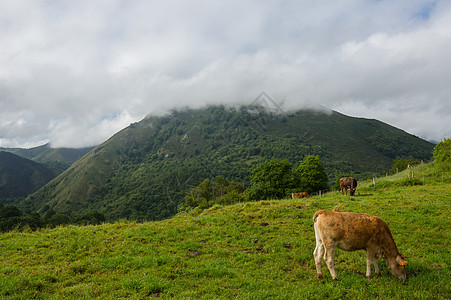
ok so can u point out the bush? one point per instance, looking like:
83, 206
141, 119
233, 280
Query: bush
208, 193
402, 164
409, 182
442, 156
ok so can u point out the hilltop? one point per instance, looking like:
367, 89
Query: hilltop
56, 159
144, 171
252, 250
46, 153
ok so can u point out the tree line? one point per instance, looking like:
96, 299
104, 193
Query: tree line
273, 179
12, 218
277, 178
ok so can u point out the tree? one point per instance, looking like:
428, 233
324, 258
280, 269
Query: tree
402, 164
442, 155
272, 180
311, 174
92, 217
9, 211
200, 196
219, 191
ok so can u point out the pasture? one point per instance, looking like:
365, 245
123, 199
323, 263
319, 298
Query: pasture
250, 250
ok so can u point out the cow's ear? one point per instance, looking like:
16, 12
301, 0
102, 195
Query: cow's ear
400, 260
403, 256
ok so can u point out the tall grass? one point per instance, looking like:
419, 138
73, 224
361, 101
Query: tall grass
259, 250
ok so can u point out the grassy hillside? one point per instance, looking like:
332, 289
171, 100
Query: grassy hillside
145, 170
250, 250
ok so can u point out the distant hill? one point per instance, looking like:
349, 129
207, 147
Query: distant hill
45, 153
57, 159
145, 170
20, 176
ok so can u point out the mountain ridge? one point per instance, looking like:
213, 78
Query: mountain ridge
20, 176
45, 153
144, 171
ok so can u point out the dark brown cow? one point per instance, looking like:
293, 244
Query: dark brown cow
350, 232
348, 182
300, 195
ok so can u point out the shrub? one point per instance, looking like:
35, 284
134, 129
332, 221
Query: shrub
442, 156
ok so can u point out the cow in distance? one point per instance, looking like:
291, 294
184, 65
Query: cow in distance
299, 195
348, 183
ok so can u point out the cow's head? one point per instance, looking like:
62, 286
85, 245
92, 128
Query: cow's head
397, 266
352, 191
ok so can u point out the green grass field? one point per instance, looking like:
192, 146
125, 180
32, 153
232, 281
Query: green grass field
258, 250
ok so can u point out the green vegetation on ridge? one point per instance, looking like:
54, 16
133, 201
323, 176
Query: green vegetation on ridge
20, 177
144, 171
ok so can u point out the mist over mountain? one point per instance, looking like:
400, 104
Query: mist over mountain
144, 171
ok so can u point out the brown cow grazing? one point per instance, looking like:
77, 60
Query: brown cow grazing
350, 232
348, 182
299, 195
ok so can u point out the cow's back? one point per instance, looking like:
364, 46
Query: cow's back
348, 182
349, 231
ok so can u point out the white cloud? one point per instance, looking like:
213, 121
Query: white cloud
75, 72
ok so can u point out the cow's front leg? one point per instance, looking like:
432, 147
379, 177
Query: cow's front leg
371, 259
376, 267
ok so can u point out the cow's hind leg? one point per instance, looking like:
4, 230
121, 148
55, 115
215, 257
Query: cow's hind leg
319, 252
329, 258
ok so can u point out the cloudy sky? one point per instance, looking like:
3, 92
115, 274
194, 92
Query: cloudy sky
73, 73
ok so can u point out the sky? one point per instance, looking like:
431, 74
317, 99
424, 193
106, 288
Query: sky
73, 73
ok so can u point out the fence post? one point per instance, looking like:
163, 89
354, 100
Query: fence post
374, 181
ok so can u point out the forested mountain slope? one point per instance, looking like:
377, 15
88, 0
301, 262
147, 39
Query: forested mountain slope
145, 170
20, 177
57, 159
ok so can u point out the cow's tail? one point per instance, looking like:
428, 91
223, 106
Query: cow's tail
317, 214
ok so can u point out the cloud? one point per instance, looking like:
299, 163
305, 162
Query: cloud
75, 72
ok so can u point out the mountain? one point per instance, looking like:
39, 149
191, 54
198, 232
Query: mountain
144, 171
20, 176
57, 159
45, 153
